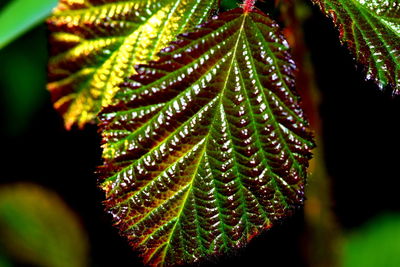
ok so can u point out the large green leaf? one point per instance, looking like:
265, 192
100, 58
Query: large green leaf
21, 15
371, 30
207, 146
95, 44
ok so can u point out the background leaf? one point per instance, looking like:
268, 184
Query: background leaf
22, 98
229, 4
95, 44
36, 227
207, 146
371, 30
21, 15
374, 244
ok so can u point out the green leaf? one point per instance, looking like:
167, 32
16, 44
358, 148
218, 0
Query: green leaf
95, 44
374, 244
208, 146
371, 30
21, 15
37, 227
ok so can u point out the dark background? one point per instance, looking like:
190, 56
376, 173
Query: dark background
360, 137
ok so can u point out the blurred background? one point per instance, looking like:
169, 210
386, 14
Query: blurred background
50, 206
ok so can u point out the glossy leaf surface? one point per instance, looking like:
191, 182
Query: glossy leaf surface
207, 146
371, 30
95, 44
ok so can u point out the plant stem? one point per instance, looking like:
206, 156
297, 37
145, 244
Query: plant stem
322, 235
248, 5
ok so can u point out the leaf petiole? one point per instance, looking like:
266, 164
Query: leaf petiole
248, 5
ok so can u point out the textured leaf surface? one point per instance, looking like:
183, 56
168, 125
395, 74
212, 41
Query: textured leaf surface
96, 43
207, 146
371, 30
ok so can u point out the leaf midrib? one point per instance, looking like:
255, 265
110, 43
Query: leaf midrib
170, 101
205, 146
163, 109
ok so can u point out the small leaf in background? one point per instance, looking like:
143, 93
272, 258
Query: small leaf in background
371, 30
21, 15
36, 227
208, 146
375, 244
95, 44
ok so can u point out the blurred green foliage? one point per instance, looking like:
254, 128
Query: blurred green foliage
23, 80
3, 261
23, 64
229, 4
375, 244
36, 227
20, 15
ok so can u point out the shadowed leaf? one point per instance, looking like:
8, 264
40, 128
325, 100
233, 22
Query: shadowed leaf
207, 146
95, 44
371, 30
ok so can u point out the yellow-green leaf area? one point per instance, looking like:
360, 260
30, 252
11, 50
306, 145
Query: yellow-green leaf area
95, 44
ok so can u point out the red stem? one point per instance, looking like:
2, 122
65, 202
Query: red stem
248, 5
